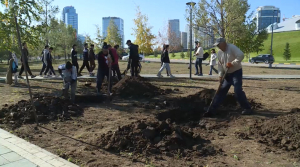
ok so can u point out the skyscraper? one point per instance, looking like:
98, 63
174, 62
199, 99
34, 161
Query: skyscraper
174, 34
119, 23
70, 17
184, 41
264, 16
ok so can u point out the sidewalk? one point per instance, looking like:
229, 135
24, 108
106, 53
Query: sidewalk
16, 152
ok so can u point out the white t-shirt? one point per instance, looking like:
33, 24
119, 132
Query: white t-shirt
199, 53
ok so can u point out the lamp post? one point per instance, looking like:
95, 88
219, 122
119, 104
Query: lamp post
191, 5
270, 65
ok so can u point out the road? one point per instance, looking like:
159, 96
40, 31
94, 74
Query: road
243, 63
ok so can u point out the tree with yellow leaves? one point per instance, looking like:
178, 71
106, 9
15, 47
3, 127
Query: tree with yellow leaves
142, 32
113, 37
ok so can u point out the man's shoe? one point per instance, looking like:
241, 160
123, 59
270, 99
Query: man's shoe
247, 112
200, 75
159, 75
196, 74
172, 76
20, 77
209, 74
33, 76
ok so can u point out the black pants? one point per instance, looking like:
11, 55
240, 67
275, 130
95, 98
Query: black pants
49, 67
134, 68
22, 68
116, 70
75, 63
85, 64
44, 68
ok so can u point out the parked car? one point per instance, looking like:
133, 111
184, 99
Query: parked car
125, 58
265, 58
122, 54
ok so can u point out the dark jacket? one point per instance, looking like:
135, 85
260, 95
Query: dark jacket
85, 54
25, 52
102, 65
91, 55
165, 56
74, 56
133, 52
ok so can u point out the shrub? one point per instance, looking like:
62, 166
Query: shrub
182, 55
173, 54
155, 53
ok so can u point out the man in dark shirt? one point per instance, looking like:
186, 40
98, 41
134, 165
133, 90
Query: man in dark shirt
85, 59
133, 58
92, 59
104, 60
74, 58
25, 62
48, 62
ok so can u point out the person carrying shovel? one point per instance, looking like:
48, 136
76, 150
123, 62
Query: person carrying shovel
230, 73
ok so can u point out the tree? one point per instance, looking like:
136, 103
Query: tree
222, 17
113, 37
174, 40
287, 53
48, 12
182, 54
162, 37
142, 32
99, 39
26, 11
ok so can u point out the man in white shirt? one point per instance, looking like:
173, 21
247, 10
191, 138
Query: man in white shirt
230, 56
199, 55
69, 75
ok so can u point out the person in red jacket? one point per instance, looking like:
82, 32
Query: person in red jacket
115, 63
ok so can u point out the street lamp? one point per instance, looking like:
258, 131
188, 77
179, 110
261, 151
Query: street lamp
191, 5
270, 65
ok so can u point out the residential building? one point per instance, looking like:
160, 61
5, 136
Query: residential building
119, 23
70, 17
184, 41
266, 15
290, 24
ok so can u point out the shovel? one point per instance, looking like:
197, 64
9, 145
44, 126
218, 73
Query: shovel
221, 82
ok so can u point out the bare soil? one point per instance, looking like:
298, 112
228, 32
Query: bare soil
164, 129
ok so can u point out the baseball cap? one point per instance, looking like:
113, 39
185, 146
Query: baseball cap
219, 40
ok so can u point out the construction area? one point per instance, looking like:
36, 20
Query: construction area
158, 122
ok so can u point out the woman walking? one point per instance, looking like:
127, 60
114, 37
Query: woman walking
166, 62
212, 62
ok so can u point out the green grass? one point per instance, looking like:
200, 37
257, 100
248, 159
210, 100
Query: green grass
279, 42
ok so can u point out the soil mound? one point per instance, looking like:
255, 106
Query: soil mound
156, 138
47, 108
136, 87
282, 132
191, 108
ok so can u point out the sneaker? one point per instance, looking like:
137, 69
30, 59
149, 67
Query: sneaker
200, 75
46, 76
33, 76
196, 74
159, 75
20, 77
209, 74
172, 76
247, 112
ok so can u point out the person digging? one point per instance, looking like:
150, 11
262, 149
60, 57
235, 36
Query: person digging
230, 58
69, 75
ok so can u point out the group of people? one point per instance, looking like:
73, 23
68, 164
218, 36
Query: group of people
229, 68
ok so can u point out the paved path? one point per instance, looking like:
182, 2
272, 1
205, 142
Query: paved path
183, 76
278, 65
16, 152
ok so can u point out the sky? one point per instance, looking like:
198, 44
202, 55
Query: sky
90, 12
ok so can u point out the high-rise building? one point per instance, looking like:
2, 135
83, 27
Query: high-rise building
266, 15
118, 22
70, 17
174, 34
204, 35
184, 40
81, 38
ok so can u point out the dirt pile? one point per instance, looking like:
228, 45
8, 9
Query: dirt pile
47, 108
191, 108
282, 132
156, 137
136, 87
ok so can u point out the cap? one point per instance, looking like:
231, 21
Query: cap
128, 41
219, 40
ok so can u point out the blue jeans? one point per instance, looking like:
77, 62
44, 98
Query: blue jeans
198, 63
235, 79
212, 68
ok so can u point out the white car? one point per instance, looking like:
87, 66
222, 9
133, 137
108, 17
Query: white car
125, 58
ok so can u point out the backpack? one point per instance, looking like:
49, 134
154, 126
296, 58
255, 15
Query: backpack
14, 67
205, 56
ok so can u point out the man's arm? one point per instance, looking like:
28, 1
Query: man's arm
220, 65
239, 55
